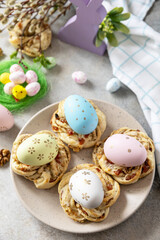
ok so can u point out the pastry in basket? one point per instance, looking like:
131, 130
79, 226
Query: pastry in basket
78, 122
87, 193
42, 158
127, 155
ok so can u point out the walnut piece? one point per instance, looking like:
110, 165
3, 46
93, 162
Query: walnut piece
4, 156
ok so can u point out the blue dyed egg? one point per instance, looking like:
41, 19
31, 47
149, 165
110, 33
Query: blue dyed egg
80, 114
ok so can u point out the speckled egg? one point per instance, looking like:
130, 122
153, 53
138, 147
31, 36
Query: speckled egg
80, 114
16, 68
8, 88
6, 119
124, 150
86, 189
33, 88
17, 77
31, 76
79, 77
113, 85
37, 150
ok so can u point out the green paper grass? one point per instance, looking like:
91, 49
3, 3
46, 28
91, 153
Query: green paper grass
8, 101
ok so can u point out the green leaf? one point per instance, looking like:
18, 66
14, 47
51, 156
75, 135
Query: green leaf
121, 17
51, 62
14, 55
112, 39
116, 10
48, 62
121, 27
98, 42
110, 24
35, 60
101, 35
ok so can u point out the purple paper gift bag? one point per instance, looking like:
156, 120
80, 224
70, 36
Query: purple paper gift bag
82, 28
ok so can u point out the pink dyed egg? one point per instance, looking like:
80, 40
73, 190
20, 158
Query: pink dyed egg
31, 76
8, 88
6, 119
16, 68
79, 77
17, 77
33, 88
124, 150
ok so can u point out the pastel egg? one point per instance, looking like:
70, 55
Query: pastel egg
31, 76
39, 149
4, 78
8, 88
79, 77
17, 77
80, 114
33, 88
86, 189
6, 119
113, 85
16, 68
19, 92
124, 150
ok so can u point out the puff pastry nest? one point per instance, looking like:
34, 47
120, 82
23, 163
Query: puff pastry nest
80, 214
74, 140
35, 37
126, 175
45, 176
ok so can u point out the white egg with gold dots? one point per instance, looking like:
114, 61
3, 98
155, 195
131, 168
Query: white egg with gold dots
86, 188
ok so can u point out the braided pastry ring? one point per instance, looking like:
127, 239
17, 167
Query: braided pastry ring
80, 214
126, 175
72, 139
47, 175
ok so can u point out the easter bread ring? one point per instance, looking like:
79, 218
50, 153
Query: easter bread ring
149, 164
41, 36
80, 214
126, 175
72, 139
44, 176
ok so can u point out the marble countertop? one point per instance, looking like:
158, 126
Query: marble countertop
15, 221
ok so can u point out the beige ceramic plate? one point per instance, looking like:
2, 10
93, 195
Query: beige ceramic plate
44, 204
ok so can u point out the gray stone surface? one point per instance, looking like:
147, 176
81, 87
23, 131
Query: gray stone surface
15, 221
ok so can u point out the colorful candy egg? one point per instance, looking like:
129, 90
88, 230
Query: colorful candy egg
16, 68
5, 78
33, 88
124, 150
80, 114
86, 189
31, 76
6, 119
19, 92
37, 150
113, 85
79, 77
8, 88
17, 77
